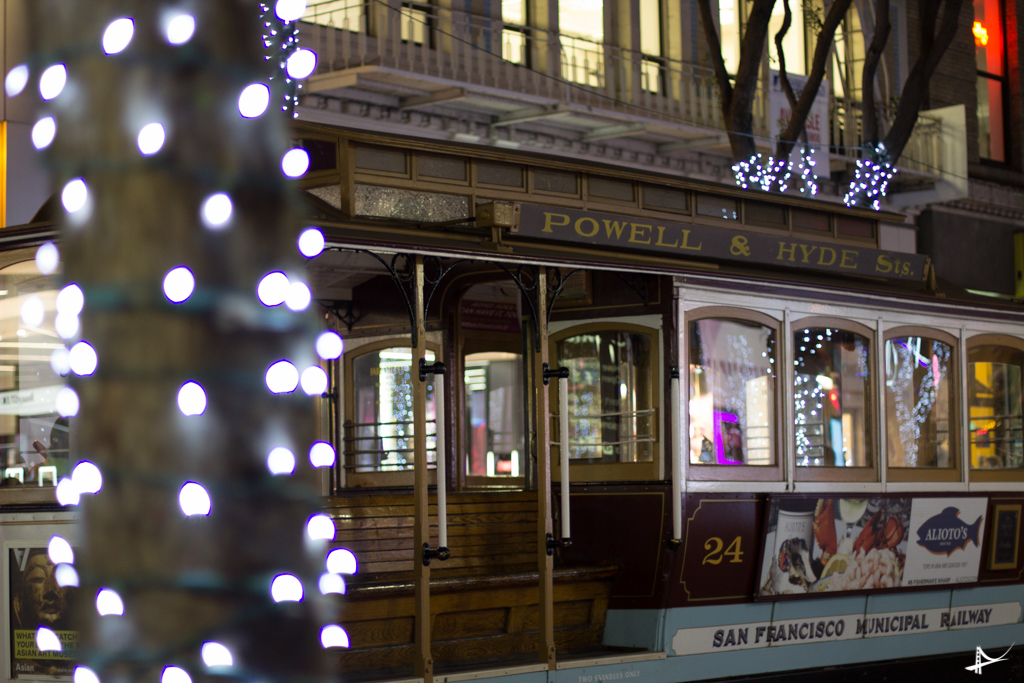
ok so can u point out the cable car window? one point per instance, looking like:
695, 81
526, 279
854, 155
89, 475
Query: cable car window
994, 402
919, 402
494, 414
380, 437
832, 398
35, 439
611, 396
732, 390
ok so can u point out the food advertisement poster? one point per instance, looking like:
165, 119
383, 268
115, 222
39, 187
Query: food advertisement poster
832, 545
35, 600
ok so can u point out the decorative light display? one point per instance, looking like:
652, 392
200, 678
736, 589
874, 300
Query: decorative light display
47, 258
281, 45
52, 82
770, 173
109, 603
117, 36
43, 132
871, 180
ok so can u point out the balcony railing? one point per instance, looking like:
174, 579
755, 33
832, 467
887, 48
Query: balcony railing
542, 69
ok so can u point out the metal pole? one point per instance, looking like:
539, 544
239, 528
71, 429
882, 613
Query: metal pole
424, 664
542, 422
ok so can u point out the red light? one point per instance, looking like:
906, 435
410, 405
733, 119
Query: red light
834, 397
980, 34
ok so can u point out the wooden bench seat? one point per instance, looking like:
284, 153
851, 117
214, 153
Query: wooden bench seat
484, 599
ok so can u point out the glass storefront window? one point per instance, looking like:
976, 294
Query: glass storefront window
832, 398
381, 435
611, 396
994, 401
732, 392
36, 441
918, 402
494, 414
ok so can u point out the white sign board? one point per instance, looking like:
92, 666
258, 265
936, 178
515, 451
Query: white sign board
817, 124
945, 541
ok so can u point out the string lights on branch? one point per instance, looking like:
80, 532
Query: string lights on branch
769, 174
871, 178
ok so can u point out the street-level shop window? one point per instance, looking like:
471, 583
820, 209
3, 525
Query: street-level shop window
611, 395
919, 402
994, 375
832, 404
732, 392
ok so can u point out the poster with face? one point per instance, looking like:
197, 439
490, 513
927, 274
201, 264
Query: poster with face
37, 601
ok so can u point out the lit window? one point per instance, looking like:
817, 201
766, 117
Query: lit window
494, 414
991, 81
994, 400
345, 14
581, 24
732, 393
650, 44
918, 402
415, 24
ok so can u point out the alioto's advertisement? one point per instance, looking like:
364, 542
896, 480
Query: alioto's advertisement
829, 545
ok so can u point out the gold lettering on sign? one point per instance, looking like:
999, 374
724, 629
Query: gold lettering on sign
883, 264
548, 224
821, 259
579, 230
635, 231
661, 234
849, 254
791, 250
686, 242
609, 226
807, 252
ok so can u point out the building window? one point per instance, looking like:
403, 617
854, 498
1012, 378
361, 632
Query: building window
848, 57
994, 374
380, 426
990, 56
732, 392
832, 398
650, 45
611, 394
581, 25
732, 20
415, 24
494, 414
919, 402
513, 33
343, 14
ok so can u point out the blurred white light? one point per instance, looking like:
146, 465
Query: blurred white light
52, 81
179, 283
87, 477
43, 132
59, 359
32, 311
331, 583
67, 492
65, 575
174, 674
341, 561
311, 242
281, 461
301, 64
194, 500
320, 528
84, 674
82, 358
67, 402
282, 377
329, 345
191, 399
66, 327
74, 196
216, 654
273, 289
321, 454
70, 300
298, 297
254, 100
47, 258
289, 10
118, 35
60, 551
47, 640
314, 381
151, 138
333, 635
286, 588
180, 28
109, 603
216, 211
17, 79
295, 162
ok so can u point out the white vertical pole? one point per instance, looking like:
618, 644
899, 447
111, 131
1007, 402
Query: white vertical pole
563, 456
677, 462
442, 503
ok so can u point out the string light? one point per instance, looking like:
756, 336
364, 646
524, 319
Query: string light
66, 327
194, 500
216, 211
151, 138
179, 283
286, 588
17, 79
87, 477
66, 402
59, 551
59, 358
254, 100
289, 10
43, 132
311, 242
301, 64
74, 195
47, 258
333, 635
117, 36
320, 528
281, 461
273, 289
179, 29
70, 299
295, 162
770, 173
65, 575
298, 297
321, 454
84, 674
870, 183
52, 82
282, 377
331, 583
67, 493
109, 603
216, 655
313, 381
33, 311
329, 345
47, 640
341, 561
191, 399
175, 674
82, 358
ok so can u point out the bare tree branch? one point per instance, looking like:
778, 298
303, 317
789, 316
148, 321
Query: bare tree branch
787, 20
806, 100
748, 72
715, 51
915, 92
869, 125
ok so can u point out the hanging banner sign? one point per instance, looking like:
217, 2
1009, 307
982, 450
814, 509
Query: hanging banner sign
816, 124
815, 546
692, 240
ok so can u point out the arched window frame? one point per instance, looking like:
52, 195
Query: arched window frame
956, 412
643, 471
1009, 341
766, 473
838, 474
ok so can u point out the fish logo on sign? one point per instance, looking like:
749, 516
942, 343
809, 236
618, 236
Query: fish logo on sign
946, 532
